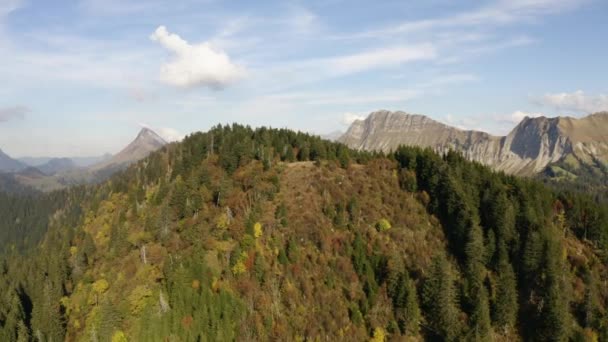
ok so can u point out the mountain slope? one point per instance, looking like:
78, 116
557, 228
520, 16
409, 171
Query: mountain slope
528, 149
147, 141
236, 234
8, 164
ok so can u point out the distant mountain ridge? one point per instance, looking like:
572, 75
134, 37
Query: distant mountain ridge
78, 161
8, 164
56, 173
533, 145
57, 165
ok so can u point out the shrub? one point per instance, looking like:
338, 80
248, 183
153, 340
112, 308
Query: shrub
383, 225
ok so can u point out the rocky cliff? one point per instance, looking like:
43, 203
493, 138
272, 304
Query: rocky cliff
529, 148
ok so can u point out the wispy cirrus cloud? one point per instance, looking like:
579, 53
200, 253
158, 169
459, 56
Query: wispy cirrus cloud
577, 101
380, 58
496, 13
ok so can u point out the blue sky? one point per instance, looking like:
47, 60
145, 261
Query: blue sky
80, 77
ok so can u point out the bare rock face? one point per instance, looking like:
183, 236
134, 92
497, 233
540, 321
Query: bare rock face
147, 141
532, 145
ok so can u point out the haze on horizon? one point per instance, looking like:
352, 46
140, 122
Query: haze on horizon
82, 77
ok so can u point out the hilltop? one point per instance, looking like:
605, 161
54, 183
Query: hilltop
241, 234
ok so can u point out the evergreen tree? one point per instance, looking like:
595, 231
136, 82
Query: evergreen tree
480, 326
304, 153
440, 301
179, 198
505, 304
475, 258
47, 320
343, 156
12, 319
405, 302
554, 315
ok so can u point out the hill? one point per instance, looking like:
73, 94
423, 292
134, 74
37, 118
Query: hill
241, 234
57, 165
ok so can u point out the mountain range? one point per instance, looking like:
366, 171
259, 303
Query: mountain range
39, 162
54, 173
561, 145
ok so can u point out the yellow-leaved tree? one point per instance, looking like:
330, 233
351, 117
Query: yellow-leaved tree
379, 335
257, 230
119, 336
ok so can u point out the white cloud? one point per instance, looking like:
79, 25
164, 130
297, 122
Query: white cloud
519, 115
349, 118
576, 101
464, 123
167, 133
387, 57
170, 134
195, 65
496, 124
11, 113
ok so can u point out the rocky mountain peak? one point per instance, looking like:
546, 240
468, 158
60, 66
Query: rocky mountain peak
146, 142
149, 136
532, 145
385, 130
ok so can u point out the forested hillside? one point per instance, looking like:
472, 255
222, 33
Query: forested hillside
241, 234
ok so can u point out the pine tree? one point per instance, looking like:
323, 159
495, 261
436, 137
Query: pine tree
480, 327
179, 198
591, 306
304, 153
405, 303
505, 304
47, 320
475, 257
289, 156
440, 301
554, 315
343, 157
12, 319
